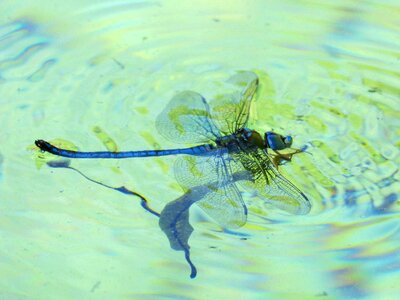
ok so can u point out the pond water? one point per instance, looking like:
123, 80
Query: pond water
95, 75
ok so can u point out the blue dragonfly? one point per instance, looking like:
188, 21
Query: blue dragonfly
225, 147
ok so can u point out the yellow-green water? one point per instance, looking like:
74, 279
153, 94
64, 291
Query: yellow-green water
87, 71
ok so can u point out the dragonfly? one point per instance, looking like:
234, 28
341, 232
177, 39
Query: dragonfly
225, 147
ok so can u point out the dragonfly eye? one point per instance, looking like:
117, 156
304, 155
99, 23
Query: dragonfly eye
276, 141
288, 140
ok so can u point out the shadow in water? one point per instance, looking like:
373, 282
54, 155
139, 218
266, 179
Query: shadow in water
174, 218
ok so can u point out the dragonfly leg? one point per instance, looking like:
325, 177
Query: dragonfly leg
296, 150
276, 161
278, 157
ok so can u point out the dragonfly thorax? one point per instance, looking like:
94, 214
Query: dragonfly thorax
242, 136
252, 137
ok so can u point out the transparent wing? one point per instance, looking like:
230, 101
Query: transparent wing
187, 119
286, 196
270, 185
218, 173
231, 111
225, 205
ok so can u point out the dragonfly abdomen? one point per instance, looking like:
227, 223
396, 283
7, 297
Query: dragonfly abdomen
197, 150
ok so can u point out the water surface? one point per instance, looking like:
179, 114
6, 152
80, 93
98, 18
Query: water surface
87, 72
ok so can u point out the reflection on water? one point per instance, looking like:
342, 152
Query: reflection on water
328, 76
24, 52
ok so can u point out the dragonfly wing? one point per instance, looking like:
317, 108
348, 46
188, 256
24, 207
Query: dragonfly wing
286, 196
231, 111
270, 185
225, 205
187, 119
218, 173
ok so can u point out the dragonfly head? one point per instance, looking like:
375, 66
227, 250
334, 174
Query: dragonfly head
276, 141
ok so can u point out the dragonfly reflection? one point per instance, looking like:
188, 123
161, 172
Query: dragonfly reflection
227, 147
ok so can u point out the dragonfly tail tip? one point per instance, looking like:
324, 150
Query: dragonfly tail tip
43, 145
